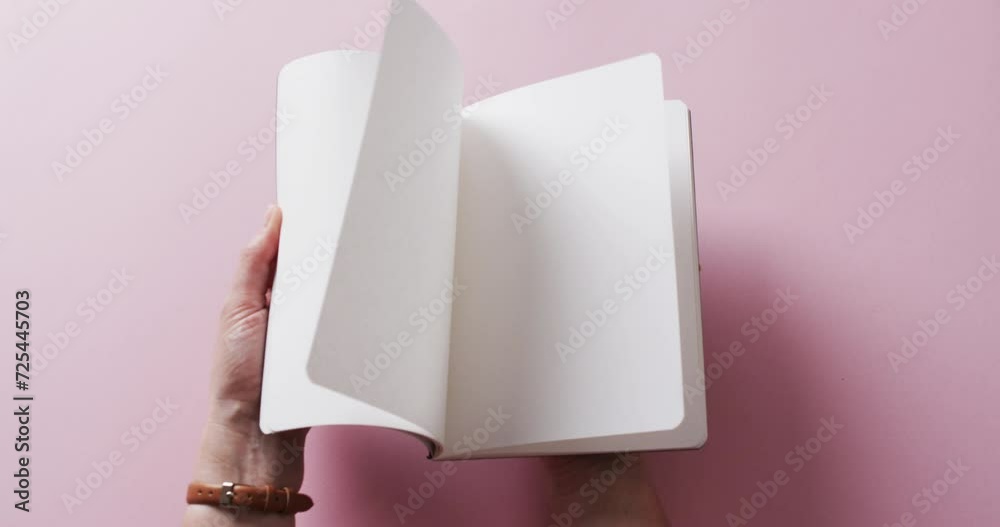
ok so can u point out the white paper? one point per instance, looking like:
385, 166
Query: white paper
692, 432
530, 283
325, 100
382, 336
536, 260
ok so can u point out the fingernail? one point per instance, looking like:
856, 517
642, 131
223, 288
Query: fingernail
269, 214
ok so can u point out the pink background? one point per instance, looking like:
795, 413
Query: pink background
827, 356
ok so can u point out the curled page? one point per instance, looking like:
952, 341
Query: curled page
382, 336
367, 170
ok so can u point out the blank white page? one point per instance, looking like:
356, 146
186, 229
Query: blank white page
692, 432
324, 100
582, 159
395, 255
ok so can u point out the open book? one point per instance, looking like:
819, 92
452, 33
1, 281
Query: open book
514, 277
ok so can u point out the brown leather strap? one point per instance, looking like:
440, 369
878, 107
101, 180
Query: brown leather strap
248, 497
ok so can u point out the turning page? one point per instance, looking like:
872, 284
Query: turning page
395, 254
362, 350
569, 322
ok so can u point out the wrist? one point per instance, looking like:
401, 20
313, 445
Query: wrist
235, 414
234, 449
244, 455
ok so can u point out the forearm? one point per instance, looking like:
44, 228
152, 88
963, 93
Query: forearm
602, 491
208, 516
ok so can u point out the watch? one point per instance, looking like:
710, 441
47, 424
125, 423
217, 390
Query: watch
264, 498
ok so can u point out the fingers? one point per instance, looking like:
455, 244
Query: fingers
255, 272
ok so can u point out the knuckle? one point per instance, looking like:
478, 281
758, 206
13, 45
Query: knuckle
242, 324
249, 255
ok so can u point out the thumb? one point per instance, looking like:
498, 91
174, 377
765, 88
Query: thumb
255, 271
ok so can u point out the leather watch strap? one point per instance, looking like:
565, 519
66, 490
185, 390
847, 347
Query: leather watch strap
248, 497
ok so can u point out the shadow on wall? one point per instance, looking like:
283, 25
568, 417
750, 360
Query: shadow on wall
766, 413
761, 404
372, 476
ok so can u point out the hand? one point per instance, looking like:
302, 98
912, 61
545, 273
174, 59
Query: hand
605, 490
233, 448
